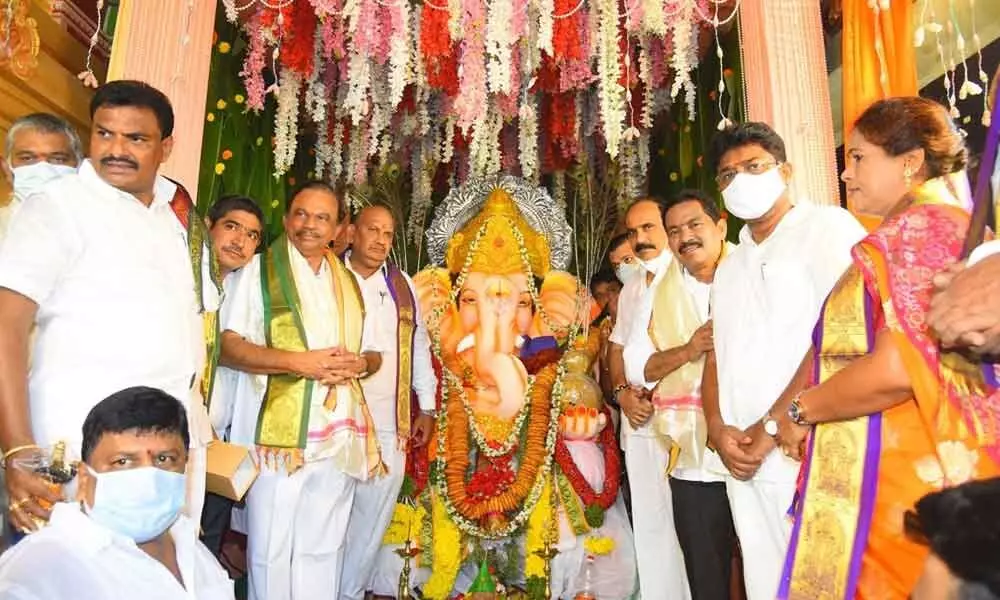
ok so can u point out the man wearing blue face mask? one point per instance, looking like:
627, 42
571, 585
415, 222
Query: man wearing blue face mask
125, 537
40, 147
766, 297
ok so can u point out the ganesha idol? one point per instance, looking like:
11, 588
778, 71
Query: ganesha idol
524, 466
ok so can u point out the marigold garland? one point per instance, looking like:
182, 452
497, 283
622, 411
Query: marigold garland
595, 503
447, 553
533, 459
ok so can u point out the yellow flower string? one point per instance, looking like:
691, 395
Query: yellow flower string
447, 558
598, 545
534, 537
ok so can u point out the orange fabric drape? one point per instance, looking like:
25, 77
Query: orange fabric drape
862, 70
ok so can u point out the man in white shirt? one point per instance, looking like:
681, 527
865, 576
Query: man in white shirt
293, 327
658, 553
40, 147
766, 297
116, 275
236, 226
124, 536
390, 301
669, 363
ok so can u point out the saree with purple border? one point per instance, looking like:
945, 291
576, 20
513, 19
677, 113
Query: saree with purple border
860, 476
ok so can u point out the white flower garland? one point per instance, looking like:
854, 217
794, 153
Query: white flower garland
609, 72
337, 152
683, 37
286, 122
527, 139
499, 14
316, 87
399, 55
545, 9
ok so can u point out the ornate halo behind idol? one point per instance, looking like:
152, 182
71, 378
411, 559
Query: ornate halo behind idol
543, 215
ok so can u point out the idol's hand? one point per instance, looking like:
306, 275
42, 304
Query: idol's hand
29, 494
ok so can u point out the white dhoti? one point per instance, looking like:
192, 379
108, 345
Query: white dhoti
374, 503
760, 514
662, 575
296, 529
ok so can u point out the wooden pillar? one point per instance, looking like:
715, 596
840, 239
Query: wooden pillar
784, 65
168, 44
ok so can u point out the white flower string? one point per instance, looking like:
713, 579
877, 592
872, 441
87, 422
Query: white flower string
185, 42
984, 79
87, 76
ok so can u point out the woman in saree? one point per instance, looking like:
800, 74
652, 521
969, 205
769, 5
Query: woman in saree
878, 413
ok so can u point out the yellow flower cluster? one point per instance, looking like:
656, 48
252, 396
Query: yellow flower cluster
598, 546
447, 554
534, 538
405, 525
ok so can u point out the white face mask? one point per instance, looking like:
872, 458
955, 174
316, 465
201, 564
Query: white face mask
661, 261
749, 197
626, 271
28, 179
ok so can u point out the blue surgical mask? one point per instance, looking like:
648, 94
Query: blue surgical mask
138, 503
28, 179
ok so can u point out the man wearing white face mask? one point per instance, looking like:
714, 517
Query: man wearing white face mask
125, 537
658, 552
765, 300
40, 147
623, 259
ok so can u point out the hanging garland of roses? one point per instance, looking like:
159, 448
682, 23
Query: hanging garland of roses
595, 503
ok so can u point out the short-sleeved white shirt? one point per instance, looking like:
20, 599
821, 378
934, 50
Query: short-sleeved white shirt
765, 301
76, 558
116, 298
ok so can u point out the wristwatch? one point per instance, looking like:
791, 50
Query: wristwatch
770, 424
430, 413
796, 412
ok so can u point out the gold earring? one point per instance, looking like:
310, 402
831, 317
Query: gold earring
908, 177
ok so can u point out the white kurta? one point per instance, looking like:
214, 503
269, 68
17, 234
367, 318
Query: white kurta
75, 557
657, 550
375, 500
765, 301
296, 524
116, 306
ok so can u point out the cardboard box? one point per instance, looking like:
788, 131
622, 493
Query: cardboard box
231, 470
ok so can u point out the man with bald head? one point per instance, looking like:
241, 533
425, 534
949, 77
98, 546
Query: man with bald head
390, 301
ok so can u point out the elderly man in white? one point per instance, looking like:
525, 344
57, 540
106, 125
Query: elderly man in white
296, 341
109, 265
40, 147
658, 552
390, 301
765, 300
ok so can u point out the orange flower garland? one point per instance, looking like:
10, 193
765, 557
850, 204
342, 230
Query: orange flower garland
533, 459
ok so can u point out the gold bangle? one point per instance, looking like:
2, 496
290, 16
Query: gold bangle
15, 450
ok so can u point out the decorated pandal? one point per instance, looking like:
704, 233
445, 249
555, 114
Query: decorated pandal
519, 491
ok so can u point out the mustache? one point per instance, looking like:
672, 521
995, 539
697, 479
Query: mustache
643, 246
108, 161
234, 249
689, 244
